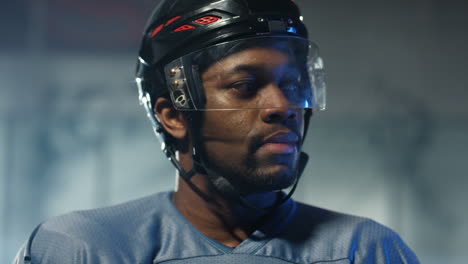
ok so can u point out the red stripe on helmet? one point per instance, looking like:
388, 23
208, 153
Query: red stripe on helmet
156, 30
172, 20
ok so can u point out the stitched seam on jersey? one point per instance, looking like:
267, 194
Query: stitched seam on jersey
273, 257
228, 254
328, 261
290, 261
200, 256
73, 240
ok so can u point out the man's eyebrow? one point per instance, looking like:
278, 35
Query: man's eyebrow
236, 69
245, 68
253, 68
259, 68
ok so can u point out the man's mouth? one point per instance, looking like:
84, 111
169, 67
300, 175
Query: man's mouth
280, 143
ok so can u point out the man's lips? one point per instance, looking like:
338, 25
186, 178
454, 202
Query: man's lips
280, 143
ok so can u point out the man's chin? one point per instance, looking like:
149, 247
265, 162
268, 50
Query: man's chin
275, 160
284, 176
273, 178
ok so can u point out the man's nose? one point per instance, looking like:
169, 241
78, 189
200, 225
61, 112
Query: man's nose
276, 106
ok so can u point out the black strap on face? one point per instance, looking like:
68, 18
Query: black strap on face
236, 195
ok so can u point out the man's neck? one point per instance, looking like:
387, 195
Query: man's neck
220, 219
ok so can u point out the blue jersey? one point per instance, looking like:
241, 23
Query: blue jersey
151, 230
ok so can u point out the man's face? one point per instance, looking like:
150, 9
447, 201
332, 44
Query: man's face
257, 150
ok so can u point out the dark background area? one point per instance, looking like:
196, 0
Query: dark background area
391, 145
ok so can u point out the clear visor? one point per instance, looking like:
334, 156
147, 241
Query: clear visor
253, 73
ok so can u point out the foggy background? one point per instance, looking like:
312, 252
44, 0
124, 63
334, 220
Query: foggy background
391, 146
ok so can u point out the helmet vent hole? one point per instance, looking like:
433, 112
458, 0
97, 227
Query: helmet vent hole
206, 20
183, 28
180, 99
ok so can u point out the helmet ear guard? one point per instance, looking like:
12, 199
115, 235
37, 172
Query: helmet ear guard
168, 146
144, 84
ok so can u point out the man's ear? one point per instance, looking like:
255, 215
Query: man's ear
171, 119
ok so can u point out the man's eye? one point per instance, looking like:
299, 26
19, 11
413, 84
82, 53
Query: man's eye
244, 87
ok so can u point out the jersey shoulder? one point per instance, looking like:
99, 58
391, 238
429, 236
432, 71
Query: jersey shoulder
320, 235
118, 234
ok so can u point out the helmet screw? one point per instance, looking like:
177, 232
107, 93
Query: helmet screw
176, 84
174, 71
290, 21
261, 19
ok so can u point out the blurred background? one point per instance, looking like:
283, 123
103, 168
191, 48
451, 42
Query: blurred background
391, 146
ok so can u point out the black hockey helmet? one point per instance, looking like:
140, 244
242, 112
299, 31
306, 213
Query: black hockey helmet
179, 32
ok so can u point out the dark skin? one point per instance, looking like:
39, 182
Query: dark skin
238, 144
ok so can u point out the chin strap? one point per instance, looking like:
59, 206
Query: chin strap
233, 193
